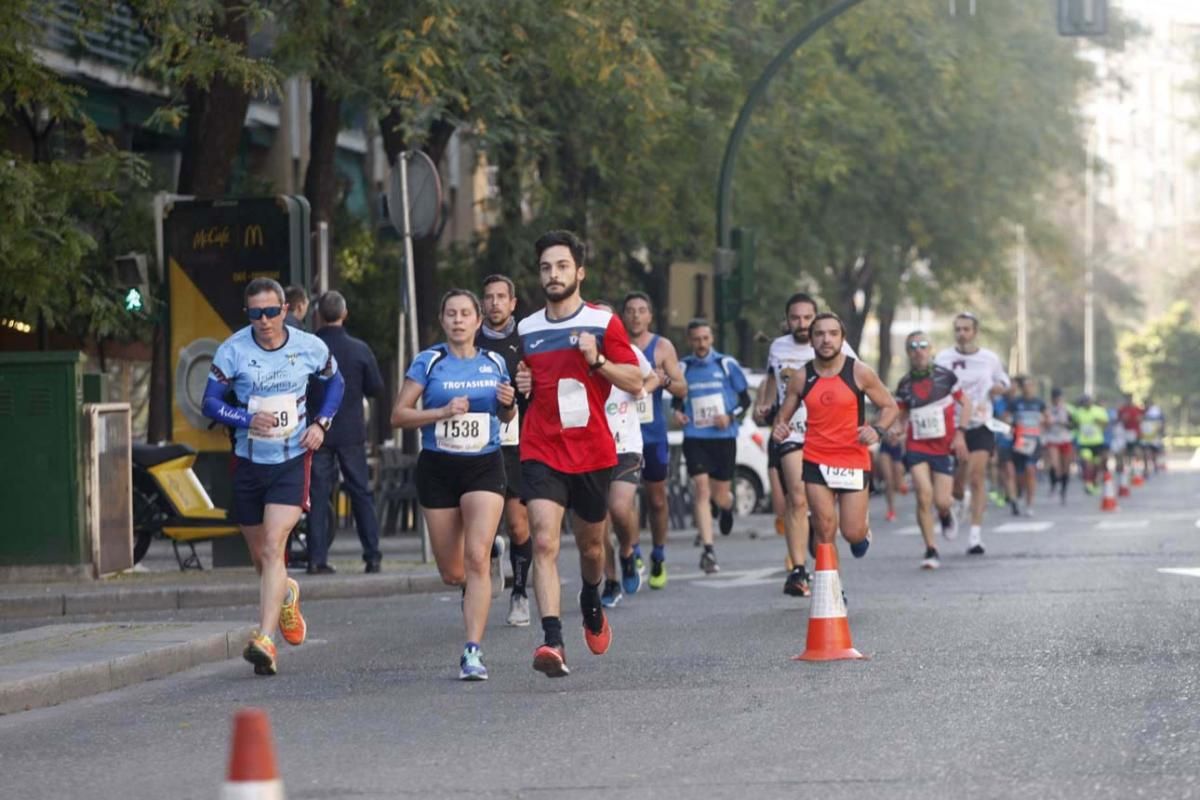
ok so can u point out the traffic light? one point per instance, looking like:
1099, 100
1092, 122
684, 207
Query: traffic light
1082, 17
134, 301
130, 274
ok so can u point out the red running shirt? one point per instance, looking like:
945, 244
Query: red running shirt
565, 426
835, 413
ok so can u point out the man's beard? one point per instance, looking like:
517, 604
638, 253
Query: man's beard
563, 293
800, 336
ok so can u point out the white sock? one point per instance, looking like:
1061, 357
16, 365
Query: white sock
976, 535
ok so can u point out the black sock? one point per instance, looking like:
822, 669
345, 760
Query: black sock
708, 548
589, 604
945, 519
520, 555
552, 628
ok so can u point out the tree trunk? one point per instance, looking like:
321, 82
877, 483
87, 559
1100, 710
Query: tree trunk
320, 180
886, 314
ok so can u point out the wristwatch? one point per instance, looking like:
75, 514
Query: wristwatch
325, 423
600, 362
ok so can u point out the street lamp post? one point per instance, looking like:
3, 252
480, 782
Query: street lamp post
1089, 275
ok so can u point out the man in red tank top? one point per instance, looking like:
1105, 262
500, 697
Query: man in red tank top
837, 463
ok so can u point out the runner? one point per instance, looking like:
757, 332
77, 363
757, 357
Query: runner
717, 396
1154, 428
837, 461
891, 467
1029, 420
638, 315
1090, 421
625, 425
981, 375
465, 394
1058, 443
1004, 476
266, 367
574, 355
499, 334
1130, 416
787, 356
926, 397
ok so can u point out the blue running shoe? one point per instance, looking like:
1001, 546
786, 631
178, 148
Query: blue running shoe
859, 549
631, 579
470, 666
611, 594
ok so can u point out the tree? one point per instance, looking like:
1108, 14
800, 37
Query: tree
1154, 359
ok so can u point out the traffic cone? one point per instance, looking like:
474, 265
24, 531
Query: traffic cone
253, 773
828, 628
1108, 501
1124, 478
1139, 479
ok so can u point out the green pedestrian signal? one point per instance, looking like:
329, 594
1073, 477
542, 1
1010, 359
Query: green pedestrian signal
134, 301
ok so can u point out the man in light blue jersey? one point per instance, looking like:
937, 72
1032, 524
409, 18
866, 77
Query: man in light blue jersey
258, 387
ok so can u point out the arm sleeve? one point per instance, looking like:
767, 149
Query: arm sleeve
616, 343
215, 407
743, 403
335, 388
324, 364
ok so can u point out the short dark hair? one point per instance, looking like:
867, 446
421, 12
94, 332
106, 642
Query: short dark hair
566, 239
800, 297
261, 285
331, 306
698, 322
917, 332
467, 293
969, 316
498, 278
827, 315
295, 294
637, 296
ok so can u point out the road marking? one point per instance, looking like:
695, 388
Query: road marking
910, 530
1024, 527
756, 577
1123, 525
1198, 523
734, 573
1190, 572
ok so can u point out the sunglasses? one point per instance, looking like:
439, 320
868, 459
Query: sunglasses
270, 312
918, 345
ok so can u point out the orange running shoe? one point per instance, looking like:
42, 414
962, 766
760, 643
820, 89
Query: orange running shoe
291, 621
260, 651
890, 516
598, 643
551, 661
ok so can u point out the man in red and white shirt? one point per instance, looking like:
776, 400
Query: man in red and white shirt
574, 354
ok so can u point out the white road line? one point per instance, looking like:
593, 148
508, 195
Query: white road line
910, 530
1190, 572
1123, 525
1198, 523
758, 577
1024, 527
732, 574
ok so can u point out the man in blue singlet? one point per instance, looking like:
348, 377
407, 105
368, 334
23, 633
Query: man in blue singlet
258, 386
638, 315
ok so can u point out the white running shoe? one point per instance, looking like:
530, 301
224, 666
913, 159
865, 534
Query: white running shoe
497, 567
518, 611
950, 532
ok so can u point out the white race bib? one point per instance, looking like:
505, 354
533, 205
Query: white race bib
645, 409
1151, 428
928, 422
573, 411
510, 432
1091, 432
842, 477
799, 421
999, 426
283, 408
1026, 444
466, 433
706, 409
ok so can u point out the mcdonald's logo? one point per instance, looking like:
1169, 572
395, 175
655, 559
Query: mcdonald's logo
253, 236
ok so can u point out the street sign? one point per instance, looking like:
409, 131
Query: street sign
424, 195
1082, 17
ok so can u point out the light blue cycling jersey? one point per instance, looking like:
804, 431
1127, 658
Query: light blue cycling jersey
714, 385
444, 377
274, 381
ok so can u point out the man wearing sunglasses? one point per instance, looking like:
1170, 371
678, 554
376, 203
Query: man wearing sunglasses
927, 397
266, 366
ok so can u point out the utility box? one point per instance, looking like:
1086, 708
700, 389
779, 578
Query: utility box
41, 488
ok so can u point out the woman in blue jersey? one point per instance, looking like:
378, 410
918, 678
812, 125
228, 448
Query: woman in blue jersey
465, 394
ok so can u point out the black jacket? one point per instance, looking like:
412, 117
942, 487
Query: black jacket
360, 370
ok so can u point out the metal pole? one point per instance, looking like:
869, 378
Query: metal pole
322, 257
410, 277
1089, 279
1022, 304
725, 181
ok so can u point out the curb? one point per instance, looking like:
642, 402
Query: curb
160, 598
105, 676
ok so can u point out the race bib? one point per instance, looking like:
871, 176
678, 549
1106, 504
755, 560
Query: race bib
999, 426
510, 432
706, 409
280, 406
1151, 428
842, 477
466, 433
645, 409
1025, 444
573, 409
1090, 431
928, 422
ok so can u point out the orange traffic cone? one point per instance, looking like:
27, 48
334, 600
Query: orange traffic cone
1108, 502
1139, 479
253, 773
1124, 479
828, 628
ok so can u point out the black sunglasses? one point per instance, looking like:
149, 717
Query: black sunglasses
918, 345
270, 312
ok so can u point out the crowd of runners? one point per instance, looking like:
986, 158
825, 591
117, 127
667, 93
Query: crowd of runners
565, 410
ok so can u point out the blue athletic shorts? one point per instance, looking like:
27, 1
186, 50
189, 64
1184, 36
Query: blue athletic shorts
656, 458
255, 485
943, 464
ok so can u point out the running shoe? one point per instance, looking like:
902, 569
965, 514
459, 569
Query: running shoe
470, 666
697, 541
859, 549
890, 516
599, 641
631, 581
1016, 509
708, 562
518, 611
291, 621
639, 561
997, 499
903, 489
950, 526
974, 544
260, 651
497, 566
726, 521
611, 594
931, 560
551, 661
796, 584
658, 573
976, 550
1029, 511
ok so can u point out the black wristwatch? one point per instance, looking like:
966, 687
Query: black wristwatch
600, 362
325, 422
880, 432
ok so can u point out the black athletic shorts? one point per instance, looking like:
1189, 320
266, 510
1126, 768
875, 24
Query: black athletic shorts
443, 478
812, 474
980, 439
712, 457
776, 452
942, 463
585, 493
256, 485
512, 471
656, 459
628, 468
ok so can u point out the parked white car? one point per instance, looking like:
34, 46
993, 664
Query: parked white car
751, 483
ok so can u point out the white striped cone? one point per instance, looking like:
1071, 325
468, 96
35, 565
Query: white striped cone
828, 626
253, 773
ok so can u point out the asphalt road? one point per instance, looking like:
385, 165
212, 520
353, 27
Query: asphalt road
1063, 663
